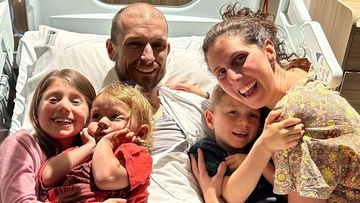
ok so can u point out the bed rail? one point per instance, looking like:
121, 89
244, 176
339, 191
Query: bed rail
306, 37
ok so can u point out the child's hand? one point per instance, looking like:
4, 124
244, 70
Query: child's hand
211, 187
281, 134
86, 137
234, 161
115, 200
118, 137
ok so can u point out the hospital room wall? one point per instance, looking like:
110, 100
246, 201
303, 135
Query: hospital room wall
21, 25
155, 2
272, 4
20, 19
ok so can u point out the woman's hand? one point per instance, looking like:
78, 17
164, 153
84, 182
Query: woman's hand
211, 187
189, 88
280, 134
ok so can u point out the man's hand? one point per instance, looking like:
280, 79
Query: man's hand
189, 88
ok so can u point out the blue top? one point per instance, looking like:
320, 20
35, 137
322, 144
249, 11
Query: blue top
214, 155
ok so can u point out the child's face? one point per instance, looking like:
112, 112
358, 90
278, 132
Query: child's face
108, 115
235, 124
62, 112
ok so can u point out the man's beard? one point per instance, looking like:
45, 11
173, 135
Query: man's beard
143, 88
128, 79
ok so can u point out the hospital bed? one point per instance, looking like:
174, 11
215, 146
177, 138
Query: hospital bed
62, 34
7, 78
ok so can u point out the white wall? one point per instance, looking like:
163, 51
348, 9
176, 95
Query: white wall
81, 15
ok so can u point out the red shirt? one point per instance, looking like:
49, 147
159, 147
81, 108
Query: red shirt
80, 186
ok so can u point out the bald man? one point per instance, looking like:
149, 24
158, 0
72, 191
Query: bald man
139, 47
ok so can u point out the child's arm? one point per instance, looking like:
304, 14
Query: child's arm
109, 173
235, 160
277, 135
115, 200
58, 166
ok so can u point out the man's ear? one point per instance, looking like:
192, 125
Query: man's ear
209, 119
168, 48
143, 131
110, 49
270, 50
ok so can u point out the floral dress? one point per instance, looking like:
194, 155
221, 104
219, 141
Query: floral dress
325, 164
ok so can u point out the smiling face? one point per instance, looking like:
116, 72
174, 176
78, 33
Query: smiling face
109, 115
62, 112
141, 47
235, 125
243, 71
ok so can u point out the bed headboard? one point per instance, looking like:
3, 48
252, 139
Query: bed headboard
194, 18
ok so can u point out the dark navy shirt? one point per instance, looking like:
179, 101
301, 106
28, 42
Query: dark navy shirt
214, 155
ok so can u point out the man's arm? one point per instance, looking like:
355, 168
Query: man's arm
189, 88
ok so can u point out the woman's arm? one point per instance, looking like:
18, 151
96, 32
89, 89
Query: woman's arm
55, 170
277, 135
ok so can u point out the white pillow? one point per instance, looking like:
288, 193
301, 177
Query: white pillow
51, 48
188, 66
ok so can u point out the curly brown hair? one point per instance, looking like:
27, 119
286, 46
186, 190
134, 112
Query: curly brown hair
253, 27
